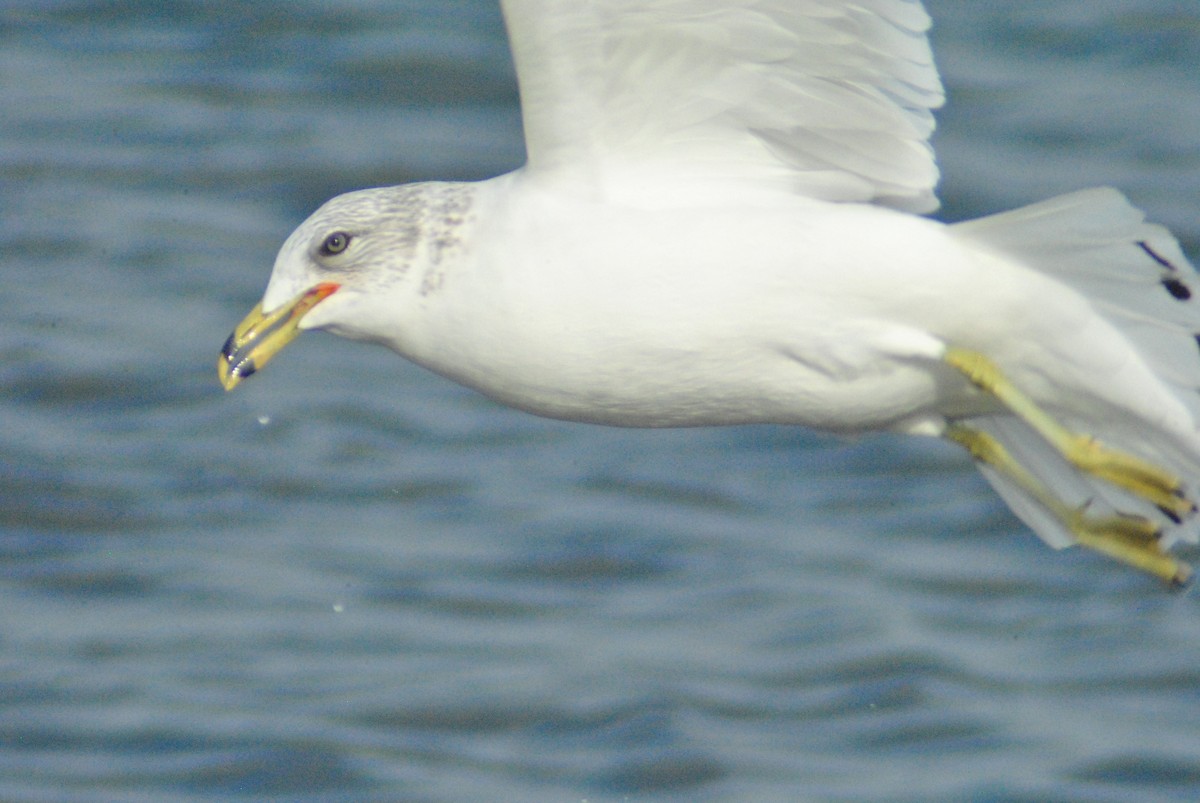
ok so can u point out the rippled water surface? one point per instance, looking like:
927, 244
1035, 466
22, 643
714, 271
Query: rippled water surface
352, 580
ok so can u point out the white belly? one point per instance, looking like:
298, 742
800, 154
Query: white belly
693, 317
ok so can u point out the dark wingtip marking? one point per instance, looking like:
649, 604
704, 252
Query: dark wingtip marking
1172, 283
1159, 258
1176, 288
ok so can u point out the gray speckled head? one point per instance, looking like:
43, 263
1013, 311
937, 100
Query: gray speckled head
369, 240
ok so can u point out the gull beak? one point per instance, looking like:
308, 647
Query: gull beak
259, 337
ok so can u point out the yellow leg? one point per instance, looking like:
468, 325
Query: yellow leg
1131, 539
1143, 479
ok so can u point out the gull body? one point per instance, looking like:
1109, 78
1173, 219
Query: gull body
718, 225
581, 309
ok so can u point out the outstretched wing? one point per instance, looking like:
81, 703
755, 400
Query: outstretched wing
828, 98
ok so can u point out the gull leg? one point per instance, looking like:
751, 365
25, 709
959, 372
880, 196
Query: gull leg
1131, 539
1139, 477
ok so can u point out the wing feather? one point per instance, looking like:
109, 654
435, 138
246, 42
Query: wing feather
824, 98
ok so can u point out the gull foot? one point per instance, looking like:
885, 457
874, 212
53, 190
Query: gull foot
1133, 540
1141, 478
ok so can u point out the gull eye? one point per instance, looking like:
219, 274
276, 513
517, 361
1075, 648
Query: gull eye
335, 244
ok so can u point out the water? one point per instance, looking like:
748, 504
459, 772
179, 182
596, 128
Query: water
352, 580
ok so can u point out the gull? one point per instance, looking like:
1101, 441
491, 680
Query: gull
721, 221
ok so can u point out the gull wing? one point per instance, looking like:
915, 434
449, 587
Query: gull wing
826, 98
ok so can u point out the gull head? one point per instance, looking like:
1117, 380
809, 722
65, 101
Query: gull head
348, 267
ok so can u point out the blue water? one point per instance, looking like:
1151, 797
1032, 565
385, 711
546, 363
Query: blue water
352, 580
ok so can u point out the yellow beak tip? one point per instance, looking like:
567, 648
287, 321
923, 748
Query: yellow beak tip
260, 336
228, 380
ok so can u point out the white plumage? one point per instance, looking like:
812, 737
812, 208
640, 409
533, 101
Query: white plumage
715, 226
827, 99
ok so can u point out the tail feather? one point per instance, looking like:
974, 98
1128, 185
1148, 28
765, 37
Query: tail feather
1048, 467
1136, 276
1134, 272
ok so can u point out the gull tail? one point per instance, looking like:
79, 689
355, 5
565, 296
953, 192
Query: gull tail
1137, 278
